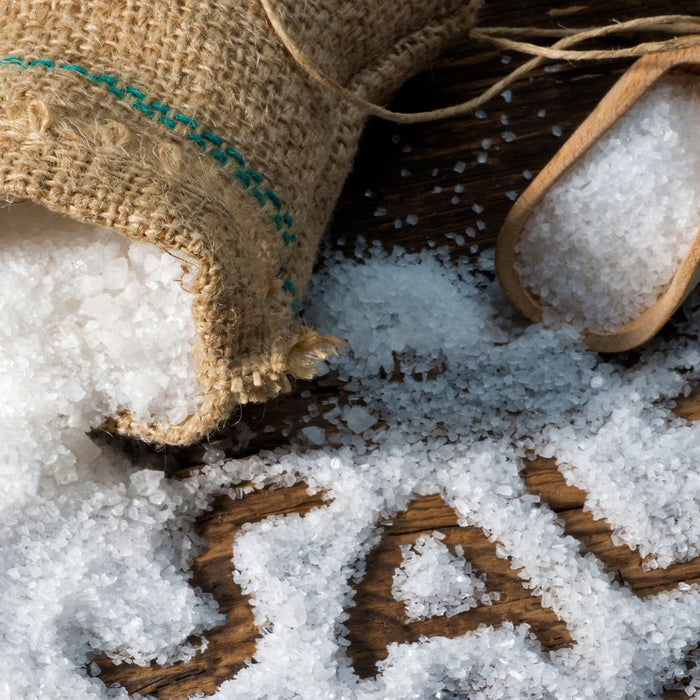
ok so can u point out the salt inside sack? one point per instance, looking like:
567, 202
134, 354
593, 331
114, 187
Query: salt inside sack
93, 325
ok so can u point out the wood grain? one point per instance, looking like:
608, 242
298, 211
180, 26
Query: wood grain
394, 172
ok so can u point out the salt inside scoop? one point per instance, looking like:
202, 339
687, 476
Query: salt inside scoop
607, 238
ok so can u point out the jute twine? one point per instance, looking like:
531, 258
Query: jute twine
688, 26
187, 124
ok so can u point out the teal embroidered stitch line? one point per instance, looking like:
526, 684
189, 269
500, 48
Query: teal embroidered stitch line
246, 176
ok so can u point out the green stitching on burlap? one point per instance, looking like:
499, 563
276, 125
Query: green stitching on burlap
221, 153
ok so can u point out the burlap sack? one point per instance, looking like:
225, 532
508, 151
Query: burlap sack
186, 124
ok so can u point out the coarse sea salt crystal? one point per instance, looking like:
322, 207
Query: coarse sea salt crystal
93, 324
431, 581
358, 419
608, 236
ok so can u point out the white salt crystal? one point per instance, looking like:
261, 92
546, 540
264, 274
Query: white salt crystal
557, 130
508, 136
212, 455
411, 219
313, 435
460, 166
507, 95
358, 419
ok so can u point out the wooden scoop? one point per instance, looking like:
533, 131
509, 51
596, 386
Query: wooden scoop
642, 74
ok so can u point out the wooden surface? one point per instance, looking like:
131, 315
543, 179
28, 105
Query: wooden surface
378, 182
623, 95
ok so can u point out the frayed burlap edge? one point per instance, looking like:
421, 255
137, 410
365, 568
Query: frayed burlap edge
262, 376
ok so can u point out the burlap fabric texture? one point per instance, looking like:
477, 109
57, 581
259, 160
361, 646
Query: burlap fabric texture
186, 124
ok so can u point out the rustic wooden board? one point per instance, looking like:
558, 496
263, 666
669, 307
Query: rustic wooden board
378, 182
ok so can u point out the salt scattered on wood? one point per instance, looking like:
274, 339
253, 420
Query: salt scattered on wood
477, 392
